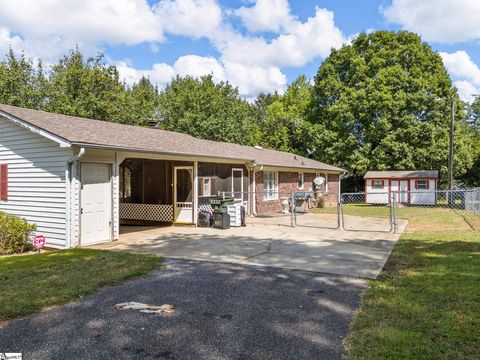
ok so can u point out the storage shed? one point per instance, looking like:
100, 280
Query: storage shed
412, 187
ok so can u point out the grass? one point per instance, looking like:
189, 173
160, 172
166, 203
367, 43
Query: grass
425, 303
29, 283
420, 219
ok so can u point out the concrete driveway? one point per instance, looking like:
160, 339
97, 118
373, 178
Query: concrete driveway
223, 311
313, 246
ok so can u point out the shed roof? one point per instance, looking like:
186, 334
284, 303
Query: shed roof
103, 134
405, 174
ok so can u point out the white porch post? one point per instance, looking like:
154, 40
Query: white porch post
195, 192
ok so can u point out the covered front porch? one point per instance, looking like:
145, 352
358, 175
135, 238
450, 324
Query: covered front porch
156, 192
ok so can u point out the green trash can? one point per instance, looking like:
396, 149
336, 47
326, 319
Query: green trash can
220, 203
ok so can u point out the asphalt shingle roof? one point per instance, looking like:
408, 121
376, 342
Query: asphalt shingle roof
415, 174
95, 133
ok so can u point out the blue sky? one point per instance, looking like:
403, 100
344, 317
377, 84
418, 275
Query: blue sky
256, 45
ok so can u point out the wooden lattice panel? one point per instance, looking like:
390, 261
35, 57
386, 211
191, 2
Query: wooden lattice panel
150, 212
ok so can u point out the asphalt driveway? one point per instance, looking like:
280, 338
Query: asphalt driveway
314, 245
222, 312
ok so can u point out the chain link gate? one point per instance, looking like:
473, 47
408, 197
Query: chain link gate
378, 207
390, 207
316, 209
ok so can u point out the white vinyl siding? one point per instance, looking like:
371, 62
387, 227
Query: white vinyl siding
270, 185
36, 180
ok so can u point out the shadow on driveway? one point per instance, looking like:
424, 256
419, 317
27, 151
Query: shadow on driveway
222, 312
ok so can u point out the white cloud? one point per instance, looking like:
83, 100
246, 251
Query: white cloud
47, 29
466, 72
266, 15
193, 18
85, 22
443, 21
250, 80
304, 42
197, 66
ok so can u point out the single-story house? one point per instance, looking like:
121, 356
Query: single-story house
78, 179
413, 187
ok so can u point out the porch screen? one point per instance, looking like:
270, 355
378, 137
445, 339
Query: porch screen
145, 190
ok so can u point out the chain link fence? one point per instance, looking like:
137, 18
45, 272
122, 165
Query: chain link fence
316, 202
454, 210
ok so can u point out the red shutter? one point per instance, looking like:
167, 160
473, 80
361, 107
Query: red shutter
3, 182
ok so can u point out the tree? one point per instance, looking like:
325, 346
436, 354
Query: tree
383, 103
472, 177
199, 107
21, 83
284, 122
87, 88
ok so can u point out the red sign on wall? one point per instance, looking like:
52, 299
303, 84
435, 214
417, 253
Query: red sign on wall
39, 242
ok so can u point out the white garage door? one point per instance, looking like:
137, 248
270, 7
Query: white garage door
96, 203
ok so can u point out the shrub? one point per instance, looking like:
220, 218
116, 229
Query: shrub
14, 234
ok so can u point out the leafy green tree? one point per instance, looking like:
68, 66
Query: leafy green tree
472, 177
383, 103
86, 88
143, 101
284, 124
21, 83
199, 107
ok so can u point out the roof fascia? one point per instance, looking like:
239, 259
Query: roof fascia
36, 129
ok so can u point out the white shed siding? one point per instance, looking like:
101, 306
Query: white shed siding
36, 180
376, 196
423, 197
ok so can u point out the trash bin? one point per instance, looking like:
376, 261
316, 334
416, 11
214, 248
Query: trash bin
221, 203
204, 218
221, 220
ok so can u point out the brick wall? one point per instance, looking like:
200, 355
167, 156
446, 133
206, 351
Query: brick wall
287, 183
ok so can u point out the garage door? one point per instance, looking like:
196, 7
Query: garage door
96, 203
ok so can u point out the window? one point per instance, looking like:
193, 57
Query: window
377, 184
270, 185
237, 183
300, 180
207, 186
421, 184
3, 182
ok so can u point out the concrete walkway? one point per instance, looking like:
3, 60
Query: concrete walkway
313, 246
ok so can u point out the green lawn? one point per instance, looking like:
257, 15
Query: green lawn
426, 302
28, 283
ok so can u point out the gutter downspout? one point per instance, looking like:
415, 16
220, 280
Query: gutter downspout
68, 179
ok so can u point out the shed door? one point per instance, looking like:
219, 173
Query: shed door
96, 203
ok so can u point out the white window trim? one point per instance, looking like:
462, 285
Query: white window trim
302, 175
275, 188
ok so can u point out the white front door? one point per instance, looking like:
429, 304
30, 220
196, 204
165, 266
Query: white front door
183, 194
96, 203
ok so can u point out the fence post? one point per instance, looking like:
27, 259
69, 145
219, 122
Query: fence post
394, 208
292, 211
338, 214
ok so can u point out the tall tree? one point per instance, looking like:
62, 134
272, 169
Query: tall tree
21, 83
199, 107
383, 103
86, 88
284, 124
